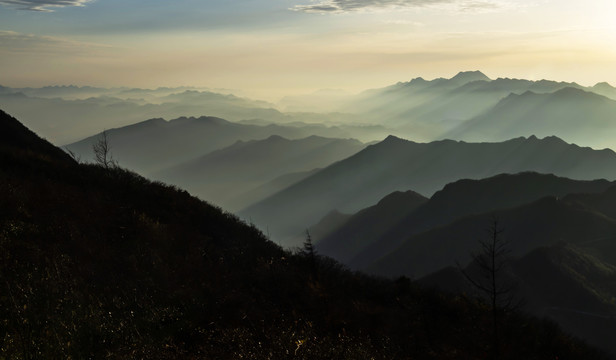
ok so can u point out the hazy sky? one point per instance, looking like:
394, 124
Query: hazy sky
269, 48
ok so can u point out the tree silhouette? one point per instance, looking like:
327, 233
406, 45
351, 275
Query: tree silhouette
489, 280
310, 253
102, 152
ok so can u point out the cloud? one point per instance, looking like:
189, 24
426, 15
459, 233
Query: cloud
42, 5
342, 6
18, 43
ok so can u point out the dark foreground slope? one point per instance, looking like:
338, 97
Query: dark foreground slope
102, 263
562, 282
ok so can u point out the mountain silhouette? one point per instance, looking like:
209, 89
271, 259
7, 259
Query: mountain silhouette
544, 222
465, 77
393, 105
65, 115
605, 89
572, 114
397, 165
353, 235
154, 145
469, 197
64, 120
244, 166
426, 110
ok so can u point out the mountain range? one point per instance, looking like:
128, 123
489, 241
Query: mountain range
472, 107
399, 165
101, 262
227, 176
544, 222
422, 110
483, 150
366, 237
156, 144
560, 237
67, 114
573, 114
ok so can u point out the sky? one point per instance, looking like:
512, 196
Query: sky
271, 48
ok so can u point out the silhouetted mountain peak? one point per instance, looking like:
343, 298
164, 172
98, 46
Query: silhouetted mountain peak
465, 188
276, 138
551, 140
388, 143
554, 140
398, 197
603, 86
150, 123
468, 76
155, 121
316, 137
394, 140
418, 80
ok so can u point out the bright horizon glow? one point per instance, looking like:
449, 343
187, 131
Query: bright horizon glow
271, 48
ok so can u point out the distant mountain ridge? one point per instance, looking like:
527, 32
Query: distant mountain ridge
573, 114
456, 200
222, 176
66, 114
153, 145
355, 233
396, 164
425, 110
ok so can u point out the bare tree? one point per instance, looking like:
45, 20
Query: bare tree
490, 280
102, 152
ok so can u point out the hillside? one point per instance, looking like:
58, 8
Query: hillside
344, 241
561, 282
399, 165
462, 199
542, 223
223, 174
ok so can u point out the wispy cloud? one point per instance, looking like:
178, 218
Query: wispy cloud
42, 5
342, 6
14, 42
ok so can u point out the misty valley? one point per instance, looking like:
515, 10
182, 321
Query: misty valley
453, 218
